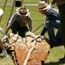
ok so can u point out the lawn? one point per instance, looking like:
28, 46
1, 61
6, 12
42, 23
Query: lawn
37, 19
25, 1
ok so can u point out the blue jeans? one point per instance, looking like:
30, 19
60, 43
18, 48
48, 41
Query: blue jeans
50, 25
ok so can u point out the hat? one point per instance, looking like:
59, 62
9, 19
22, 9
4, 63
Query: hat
42, 5
22, 11
1, 11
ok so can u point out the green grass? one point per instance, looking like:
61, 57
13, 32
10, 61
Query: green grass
55, 54
24, 1
37, 19
6, 61
31, 1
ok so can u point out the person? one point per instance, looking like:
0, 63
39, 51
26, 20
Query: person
1, 45
52, 21
18, 22
61, 6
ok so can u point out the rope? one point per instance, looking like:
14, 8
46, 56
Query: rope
29, 53
3, 10
38, 27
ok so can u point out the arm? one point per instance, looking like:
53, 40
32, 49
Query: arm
2, 46
5, 36
30, 23
44, 30
1, 30
54, 1
52, 4
11, 21
51, 14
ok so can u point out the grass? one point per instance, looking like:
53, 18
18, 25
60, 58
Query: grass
37, 19
6, 61
25, 1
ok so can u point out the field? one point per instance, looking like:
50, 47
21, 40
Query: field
56, 52
25, 1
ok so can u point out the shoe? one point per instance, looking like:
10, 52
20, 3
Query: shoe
5, 53
52, 43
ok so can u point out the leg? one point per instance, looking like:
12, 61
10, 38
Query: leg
58, 36
22, 31
15, 27
3, 49
49, 25
1, 45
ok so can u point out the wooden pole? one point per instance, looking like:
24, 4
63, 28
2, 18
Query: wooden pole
10, 14
48, 2
21, 3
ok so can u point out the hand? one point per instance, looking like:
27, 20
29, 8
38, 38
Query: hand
1, 30
32, 30
4, 37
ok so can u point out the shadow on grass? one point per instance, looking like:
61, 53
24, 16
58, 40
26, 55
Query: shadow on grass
56, 44
55, 63
1, 57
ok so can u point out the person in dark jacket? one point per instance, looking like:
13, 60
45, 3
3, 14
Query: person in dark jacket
52, 21
18, 22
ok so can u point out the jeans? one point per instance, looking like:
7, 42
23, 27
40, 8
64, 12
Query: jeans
50, 25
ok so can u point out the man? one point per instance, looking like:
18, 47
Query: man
18, 22
61, 6
1, 45
52, 21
